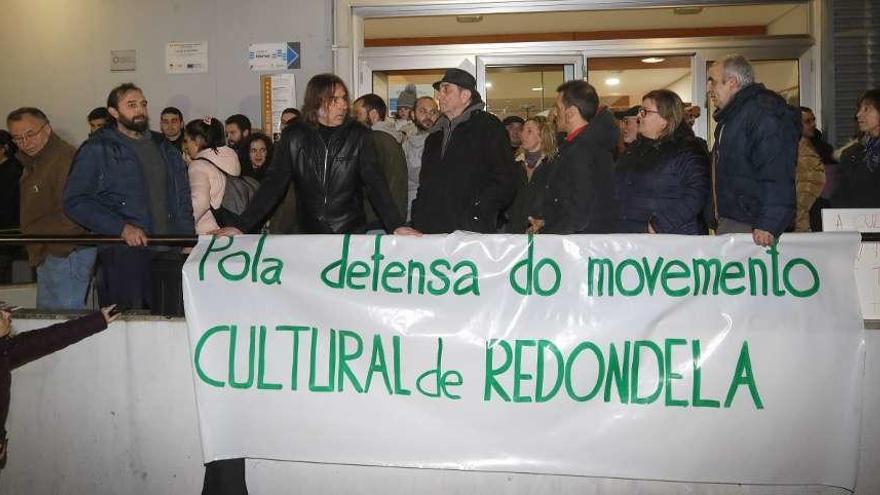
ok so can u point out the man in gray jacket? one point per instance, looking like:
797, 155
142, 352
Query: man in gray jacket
424, 117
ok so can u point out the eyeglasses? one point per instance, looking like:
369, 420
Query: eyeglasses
28, 135
644, 111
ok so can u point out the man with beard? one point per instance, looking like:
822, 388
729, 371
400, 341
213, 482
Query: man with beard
424, 117
130, 182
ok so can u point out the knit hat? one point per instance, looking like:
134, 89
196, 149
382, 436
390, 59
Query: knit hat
407, 97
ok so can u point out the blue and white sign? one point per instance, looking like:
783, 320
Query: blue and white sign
274, 56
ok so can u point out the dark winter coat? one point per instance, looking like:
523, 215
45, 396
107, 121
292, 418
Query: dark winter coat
664, 183
25, 347
468, 176
330, 181
756, 144
10, 174
106, 188
580, 190
392, 164
857, 185
529, 199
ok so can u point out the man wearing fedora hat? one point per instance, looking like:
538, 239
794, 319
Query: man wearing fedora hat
468, 176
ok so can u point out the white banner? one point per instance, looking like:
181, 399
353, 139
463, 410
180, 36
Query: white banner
703, 359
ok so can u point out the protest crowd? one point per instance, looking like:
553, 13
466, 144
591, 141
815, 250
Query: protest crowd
434, 166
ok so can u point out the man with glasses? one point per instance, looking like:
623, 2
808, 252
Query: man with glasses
628, 122
425, 116
63, 270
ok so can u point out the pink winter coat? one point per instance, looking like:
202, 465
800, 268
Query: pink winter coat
208, 184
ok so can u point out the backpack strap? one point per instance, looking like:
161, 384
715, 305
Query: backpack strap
225, 173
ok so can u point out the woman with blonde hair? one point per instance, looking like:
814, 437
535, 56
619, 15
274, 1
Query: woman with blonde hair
662, 179
534, 159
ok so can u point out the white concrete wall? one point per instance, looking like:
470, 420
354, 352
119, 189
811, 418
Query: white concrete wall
116, 414
56, 53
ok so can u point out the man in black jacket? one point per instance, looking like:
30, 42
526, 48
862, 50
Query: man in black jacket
331, 161
580, 191
468, 175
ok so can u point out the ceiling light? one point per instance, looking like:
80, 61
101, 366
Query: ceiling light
612, 81
488, 85
468, 18
539, 88
687, 10
653, 60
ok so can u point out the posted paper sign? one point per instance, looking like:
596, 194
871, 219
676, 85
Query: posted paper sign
186, 58
688, 358
278, 93
274, 56
867, 264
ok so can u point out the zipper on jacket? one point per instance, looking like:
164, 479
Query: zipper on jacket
326, 158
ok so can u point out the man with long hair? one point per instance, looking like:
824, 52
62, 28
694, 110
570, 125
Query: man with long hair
331, 161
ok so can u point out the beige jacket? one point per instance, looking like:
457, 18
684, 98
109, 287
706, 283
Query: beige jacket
42, 198
208, 184
810, 181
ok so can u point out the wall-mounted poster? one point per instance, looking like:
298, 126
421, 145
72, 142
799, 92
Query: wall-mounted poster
186, 57
278, 92
123, 60
274, 56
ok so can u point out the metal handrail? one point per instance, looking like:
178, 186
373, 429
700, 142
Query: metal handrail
176, 240
94, 240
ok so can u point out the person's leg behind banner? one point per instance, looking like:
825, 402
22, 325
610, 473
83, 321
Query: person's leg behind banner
124, 276
166, 269
225, 477
63, 281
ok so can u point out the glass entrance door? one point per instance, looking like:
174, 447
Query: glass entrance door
524, 85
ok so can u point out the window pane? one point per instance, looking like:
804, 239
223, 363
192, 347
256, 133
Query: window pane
523, 90
389, 84
622, 81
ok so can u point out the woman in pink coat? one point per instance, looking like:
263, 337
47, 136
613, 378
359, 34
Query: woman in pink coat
210, 162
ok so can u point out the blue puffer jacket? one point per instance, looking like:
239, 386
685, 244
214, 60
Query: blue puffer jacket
664, 183
756, 145
106, 188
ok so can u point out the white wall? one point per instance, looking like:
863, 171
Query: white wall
795, 21
56, 53
116, 414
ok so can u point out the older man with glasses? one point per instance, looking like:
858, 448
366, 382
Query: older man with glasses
63, 270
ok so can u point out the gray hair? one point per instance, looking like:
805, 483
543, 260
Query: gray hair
738, 67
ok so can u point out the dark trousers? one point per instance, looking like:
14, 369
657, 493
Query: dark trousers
816, 213
225, 478
141, 278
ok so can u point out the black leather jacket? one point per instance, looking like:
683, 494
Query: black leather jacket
330, 181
